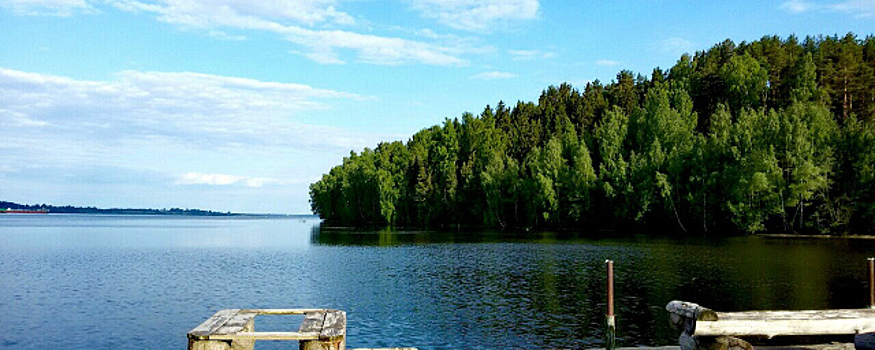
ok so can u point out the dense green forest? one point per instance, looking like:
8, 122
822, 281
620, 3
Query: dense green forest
774, 135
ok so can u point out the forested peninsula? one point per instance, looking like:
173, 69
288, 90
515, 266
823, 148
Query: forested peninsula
775, 135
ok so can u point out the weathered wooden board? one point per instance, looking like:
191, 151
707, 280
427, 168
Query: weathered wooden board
236, 324
334, 327
798, 315
282, 311
267, 336
213, 323
781, 327
313, 322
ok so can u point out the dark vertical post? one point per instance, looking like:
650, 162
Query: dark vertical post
610, 323
872, 283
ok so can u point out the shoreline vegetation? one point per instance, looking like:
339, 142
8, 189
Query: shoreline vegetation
123, 211
774, 135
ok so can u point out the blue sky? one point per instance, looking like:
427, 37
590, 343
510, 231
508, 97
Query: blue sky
238, 105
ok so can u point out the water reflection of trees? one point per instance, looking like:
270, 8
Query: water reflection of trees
547, 289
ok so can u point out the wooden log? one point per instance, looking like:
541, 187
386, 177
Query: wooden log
770, 328
798, 315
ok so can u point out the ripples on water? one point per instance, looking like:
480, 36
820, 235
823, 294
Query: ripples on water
89, 282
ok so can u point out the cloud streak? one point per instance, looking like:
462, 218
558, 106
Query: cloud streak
61, 8
528, 55
314, 25
157, 102
477, 15
221, 180
674, 46
493, 75
856, 8
51, 120
609, 63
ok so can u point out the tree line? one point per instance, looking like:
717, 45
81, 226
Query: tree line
69, 209
773, 135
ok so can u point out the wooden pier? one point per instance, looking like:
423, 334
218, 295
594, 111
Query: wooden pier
702, 328
234, 329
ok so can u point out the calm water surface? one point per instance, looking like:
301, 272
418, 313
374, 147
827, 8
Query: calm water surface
135, 282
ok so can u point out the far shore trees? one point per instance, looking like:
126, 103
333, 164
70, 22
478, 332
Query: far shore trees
773, 135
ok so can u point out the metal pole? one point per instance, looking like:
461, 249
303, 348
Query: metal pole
610, 322
872, 283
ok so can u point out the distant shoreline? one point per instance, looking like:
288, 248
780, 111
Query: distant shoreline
15, 208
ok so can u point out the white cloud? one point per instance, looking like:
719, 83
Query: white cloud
528, 55
45, 7
477, 15
796, 6
856, 8
221, 180
859, 8
139, 138
493, 75
13, 118
295, 21
610, 63
209, 13
373, 49
674, 46
92, 121
312, 24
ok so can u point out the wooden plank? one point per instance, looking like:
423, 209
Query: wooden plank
775, 327
268, 336
212, 324
282, 311
236, 324
798, 315
313, 322
334, 327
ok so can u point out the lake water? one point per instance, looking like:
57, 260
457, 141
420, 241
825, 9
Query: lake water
136, 282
